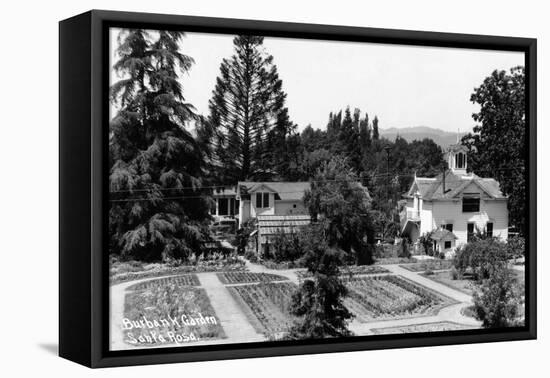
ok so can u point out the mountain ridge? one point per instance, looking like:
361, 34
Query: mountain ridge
441, 137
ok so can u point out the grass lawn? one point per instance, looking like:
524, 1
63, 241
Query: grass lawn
391, 297
228, 278
435, 264
464, 285
266, 306
170, 308
426, 327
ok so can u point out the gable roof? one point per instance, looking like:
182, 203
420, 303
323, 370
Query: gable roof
432, 188
287, 190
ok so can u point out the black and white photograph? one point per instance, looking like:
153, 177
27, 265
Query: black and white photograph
266, 189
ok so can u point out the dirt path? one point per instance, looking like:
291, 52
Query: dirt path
232, 318
416, 277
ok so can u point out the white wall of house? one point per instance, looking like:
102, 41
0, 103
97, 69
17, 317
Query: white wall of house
289, 207
255, 211
244, 211
495, 211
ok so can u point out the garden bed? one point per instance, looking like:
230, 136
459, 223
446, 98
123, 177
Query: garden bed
350, 270
445, 278
124, 271
228, 278
163, 312
394, 260
435, 264
425, 327
391, 297
266, 305
183, 280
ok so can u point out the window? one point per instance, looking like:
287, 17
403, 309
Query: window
470, 231
448, 227
259, 200
460, 160
232, 206
447, 245
223, 204
237, 206
489, 229
470, 204
262, 200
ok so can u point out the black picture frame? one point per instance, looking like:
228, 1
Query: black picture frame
83, 122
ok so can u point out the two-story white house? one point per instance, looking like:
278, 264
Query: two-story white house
454, 205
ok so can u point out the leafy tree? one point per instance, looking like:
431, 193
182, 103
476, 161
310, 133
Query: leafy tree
247, 104
482, 256
314, 139
318, 303
498, 142
155, 163
339, 201
498, 299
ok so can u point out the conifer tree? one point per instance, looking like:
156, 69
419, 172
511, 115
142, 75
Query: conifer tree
375, 131
158, 209
246, 105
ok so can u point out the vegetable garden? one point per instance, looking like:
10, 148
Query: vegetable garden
229, 278
160, 301
266, 306
390, 297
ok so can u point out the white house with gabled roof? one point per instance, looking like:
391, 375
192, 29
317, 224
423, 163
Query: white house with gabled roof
454, 205
270, 198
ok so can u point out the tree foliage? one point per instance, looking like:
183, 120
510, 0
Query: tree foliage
498, 300
482, 257
155, 163
341, 204
498, 142
318, 303
247, 108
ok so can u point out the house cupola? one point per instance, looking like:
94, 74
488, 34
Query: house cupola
457, 158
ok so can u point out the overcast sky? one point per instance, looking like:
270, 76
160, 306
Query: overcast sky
404, 86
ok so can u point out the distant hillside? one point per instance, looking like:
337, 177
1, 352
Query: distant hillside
441, 137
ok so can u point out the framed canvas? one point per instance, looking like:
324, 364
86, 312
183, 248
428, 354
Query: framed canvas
236, 188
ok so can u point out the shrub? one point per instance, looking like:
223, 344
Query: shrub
482, 257
286, 246
496, 301
515, 247
454, 273
251, 256
428, 272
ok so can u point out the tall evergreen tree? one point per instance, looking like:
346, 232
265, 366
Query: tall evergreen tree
349, 139
246, 105
156, 164
375, 131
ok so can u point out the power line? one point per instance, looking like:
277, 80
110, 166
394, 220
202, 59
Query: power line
381, 175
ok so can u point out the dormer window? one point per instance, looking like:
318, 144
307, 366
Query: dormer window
470, 204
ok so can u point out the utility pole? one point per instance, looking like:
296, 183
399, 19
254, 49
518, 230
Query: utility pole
387, 149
